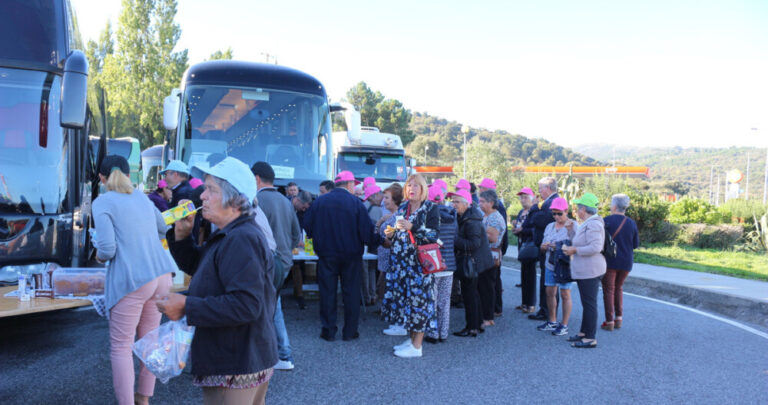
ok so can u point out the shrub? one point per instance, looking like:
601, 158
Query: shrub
720, 237
696, 211
650, 213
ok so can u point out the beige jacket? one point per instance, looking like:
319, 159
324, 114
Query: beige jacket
588, 239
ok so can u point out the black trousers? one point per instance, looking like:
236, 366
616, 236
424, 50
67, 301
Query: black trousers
528, 282
588, 292
486, 287
499, 307
471, 300
329, 270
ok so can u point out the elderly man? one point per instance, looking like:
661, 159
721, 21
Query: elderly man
339, 226
548, 192
490, 184
372, 203
177, 176
301, 203
291, 190
287, 233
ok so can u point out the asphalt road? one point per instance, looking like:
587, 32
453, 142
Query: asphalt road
662, 354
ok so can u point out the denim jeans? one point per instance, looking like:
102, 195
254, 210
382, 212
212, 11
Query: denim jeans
283, 343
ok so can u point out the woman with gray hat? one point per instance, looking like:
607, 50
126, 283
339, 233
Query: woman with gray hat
231, 299
129, 230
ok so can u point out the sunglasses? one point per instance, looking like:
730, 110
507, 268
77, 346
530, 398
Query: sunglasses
557, 214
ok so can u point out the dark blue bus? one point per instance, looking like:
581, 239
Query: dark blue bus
45, 164
253, 112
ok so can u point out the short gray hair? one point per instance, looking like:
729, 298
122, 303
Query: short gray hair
621, 202
490, 196
304, 196
230, 197
589, 210
549, 182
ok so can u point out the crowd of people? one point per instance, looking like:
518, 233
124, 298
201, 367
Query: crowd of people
239, 254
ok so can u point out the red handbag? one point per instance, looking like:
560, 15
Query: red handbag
429, 256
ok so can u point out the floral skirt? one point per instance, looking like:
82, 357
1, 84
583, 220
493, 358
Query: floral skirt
409, 298
240, 381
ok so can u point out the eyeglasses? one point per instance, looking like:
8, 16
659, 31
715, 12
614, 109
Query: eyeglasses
557, 214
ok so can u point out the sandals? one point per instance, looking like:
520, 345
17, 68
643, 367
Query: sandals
529, 310
607, 326
617, 323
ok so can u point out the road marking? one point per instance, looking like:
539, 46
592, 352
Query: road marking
696, 311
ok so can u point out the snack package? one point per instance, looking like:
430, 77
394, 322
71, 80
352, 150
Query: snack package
164, 351
179, 212
309, 248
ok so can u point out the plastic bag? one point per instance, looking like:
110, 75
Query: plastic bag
164, 351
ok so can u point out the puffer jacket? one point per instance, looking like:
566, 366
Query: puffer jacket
471, 240
448, 229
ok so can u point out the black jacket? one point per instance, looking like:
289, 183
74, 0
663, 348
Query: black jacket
472, 240
182, 192
528, 229
542, 219
231, 300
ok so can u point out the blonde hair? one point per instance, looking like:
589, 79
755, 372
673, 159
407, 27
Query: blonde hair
418, 178
119, 182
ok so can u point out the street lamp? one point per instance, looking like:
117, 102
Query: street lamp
465, 131
426, 148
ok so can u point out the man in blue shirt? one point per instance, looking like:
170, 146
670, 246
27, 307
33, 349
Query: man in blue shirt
339, 225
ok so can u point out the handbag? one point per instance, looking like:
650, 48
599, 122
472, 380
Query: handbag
496, 254
528, 251
470, 268
429, 256
562, 263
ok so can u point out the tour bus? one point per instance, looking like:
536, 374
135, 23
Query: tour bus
127, 147
253, 112
45, 164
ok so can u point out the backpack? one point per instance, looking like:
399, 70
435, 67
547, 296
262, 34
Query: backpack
609, 246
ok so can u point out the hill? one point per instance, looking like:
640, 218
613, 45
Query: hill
443, 141
686, 169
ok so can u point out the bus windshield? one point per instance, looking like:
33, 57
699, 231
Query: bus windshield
386, 168
33, 158
285, 129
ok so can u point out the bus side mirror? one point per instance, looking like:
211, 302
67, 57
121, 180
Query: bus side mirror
171, 110
74, 91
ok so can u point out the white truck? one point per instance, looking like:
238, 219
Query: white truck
367, 152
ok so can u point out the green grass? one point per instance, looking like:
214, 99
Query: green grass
736, 264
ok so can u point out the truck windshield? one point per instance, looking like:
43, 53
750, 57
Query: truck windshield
33, 157
384, 168
288, 130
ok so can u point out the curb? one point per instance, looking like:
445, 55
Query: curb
739, 308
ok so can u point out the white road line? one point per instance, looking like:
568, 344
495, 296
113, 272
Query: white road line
696, 311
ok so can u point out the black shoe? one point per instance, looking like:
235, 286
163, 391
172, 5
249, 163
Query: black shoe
441, 340
326, 335
353, 337
584, 345
465, 333
575, 338
430, 339
300, 301
481, 330
537, 317
519, 285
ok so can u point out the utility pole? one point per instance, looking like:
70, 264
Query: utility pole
717, 196
746, 189
711, 177
465, 131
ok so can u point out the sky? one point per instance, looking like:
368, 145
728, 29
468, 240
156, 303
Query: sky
642, 73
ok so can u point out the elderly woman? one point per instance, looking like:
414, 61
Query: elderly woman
553, 234
443, 279
410, 299
161, 196
231, 299
524, 228
473, 258
129, 230
587, 266
624, 232
393, 197
495, 226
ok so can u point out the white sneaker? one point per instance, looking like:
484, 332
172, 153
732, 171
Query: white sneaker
408, 352
395, 330
284, 365
403, 345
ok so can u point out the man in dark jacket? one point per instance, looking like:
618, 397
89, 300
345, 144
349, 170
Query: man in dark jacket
470, 244
339, 226
177, 176
547, 191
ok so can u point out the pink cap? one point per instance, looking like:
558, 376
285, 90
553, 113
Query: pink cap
371, 190
559, 203
162, 184
436, 193
488, 183
526, 190
463, 184
461, 193
369, 181
346, 175
195, 182
441, 183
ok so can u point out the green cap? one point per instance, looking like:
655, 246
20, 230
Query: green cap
588, 199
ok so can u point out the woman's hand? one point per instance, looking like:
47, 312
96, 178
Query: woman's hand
545, 246
569, 250
404, 225
569, 225
389, 231
172, 305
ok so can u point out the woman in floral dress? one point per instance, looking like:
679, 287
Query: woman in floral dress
409, 299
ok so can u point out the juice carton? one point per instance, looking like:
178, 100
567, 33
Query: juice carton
309, 248
179, 212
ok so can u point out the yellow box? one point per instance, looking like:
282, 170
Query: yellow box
176, 213
309, 247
